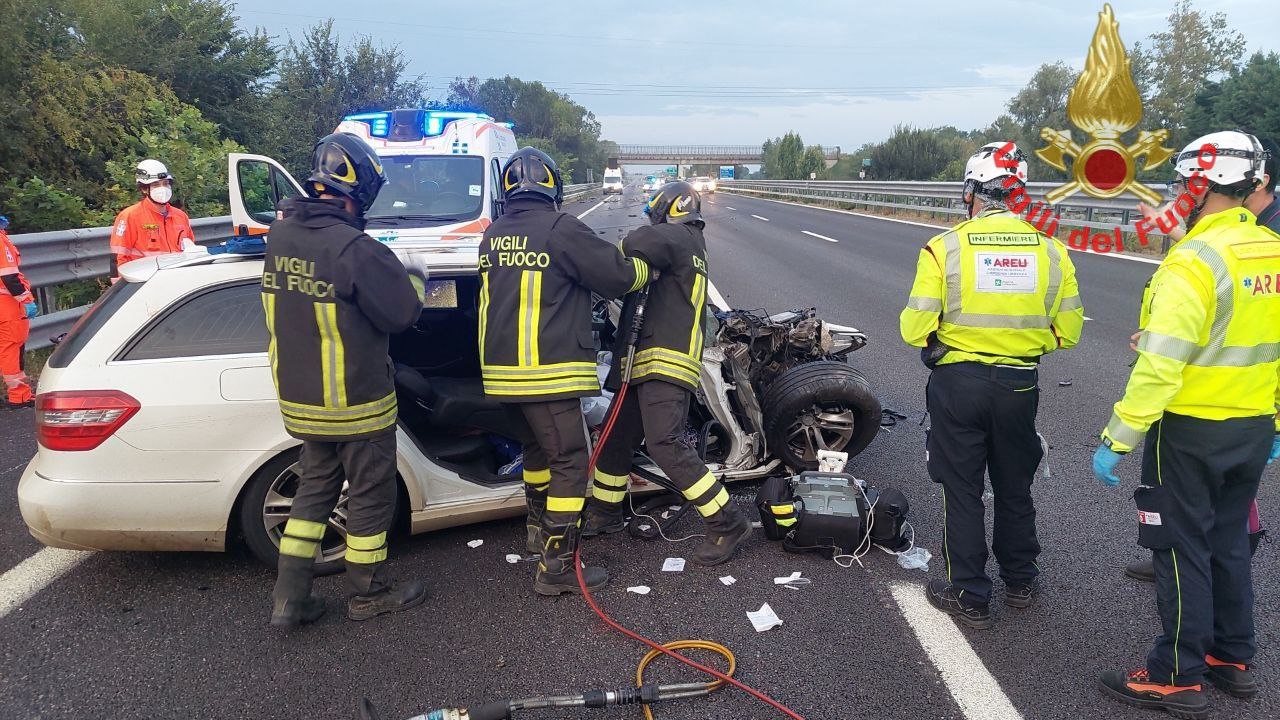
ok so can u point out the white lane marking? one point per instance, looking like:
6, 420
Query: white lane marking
760, 218
1116, 256
726, 207
29, 577
974, 689
820, 237
588, 210
1086, 317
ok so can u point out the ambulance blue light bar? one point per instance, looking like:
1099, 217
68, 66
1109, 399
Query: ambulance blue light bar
379, 122
433, 121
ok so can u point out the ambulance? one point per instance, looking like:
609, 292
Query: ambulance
443, 187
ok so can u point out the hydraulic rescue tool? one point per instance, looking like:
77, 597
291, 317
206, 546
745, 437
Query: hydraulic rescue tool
644, 693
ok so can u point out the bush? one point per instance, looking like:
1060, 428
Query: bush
35, 205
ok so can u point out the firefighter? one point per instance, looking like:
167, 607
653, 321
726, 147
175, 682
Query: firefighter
665, 374
151, 226
538, 269
332, 296
1204, 394
17, 308
1265, 204
991, 296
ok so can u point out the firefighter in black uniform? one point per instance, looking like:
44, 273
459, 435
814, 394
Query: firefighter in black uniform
332, 295
666, 371
538, 268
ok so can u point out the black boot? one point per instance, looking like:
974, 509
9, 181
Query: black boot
603, 519
535, 535
1136, 688
1143, 570
556, 572
726, 529
292, 602
941, 595
397, 597
1232, 678
1255, 539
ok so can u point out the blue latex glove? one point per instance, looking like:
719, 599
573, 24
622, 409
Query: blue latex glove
1275, 450
1104, 465
4, 222
31, 309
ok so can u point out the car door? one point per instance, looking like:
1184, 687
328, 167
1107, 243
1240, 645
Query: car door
256, 185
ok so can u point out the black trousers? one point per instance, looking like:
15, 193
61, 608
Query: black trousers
656, 412
983, 422
560, 445
1199, 477
369, 469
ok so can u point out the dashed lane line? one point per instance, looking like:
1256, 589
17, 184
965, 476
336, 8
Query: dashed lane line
974, 689
820, 237
726, 207
29, 577
1117, 256
588, 210
760, 218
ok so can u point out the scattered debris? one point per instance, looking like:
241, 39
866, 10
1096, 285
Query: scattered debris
646, 527
673, 565
639, 589
728, 579
764, 618
890, 417
1064, 383
793, 581
513, 558
475, 543
917, 558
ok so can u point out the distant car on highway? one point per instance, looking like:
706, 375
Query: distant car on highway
159, 426
703, 184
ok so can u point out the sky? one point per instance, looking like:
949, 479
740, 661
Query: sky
713, 72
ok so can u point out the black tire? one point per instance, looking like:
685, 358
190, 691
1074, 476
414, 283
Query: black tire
251, 513
823, 399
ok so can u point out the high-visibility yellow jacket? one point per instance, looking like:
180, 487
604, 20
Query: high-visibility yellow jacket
996, 291
1210, 321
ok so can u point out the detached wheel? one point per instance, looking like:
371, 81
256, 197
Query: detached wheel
823, 405
264, 510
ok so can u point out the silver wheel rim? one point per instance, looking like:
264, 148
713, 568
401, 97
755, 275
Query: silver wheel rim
278, 503
821, 428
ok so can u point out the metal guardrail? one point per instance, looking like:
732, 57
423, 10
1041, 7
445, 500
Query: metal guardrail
938, 197
678, 153
53, 258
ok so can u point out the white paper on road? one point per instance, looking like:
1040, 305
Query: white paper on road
639, 589
673, 565
513, 558
728, 579
791, 579
475, 543
764, 618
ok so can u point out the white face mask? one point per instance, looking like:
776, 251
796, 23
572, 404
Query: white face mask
161, 194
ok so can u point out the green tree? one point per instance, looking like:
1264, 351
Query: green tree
910, 154
1245, 100
320, 81
1179, 62
814, 162
783, 157
193, 46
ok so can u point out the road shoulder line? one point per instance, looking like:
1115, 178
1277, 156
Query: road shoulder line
26, 579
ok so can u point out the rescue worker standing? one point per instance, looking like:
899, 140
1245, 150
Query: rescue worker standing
991, 296
17, 308
1204, 393
150, 226
538, 268
332, 296
665, 374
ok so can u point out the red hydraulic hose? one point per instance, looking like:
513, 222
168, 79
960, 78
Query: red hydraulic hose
591, 602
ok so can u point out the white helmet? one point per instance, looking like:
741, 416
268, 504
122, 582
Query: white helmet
989, 163
1237, 161
152, 171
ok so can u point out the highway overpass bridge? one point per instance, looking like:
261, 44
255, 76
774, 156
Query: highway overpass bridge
703, 154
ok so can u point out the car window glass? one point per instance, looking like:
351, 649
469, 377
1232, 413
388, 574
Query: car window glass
223, 321
255, 189
284, 188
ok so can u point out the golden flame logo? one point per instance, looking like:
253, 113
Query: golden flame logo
1105, 104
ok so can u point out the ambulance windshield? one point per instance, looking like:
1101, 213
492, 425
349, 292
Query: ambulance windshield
430, 189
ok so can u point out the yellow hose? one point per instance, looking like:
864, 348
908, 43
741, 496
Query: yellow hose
686, 645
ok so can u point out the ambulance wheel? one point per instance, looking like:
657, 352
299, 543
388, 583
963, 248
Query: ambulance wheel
264, 510
823, 405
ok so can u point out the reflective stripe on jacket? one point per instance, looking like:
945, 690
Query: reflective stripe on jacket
996, 291
538, 268
670, 343
332, 297
1210, 320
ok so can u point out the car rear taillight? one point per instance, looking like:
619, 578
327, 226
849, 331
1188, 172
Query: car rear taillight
81, 419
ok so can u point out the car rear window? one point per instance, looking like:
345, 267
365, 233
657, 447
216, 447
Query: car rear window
91, 322
226, 320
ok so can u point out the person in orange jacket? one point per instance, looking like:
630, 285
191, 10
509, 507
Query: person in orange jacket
150, 226
17, 307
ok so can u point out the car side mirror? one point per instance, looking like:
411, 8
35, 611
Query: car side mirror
498, 205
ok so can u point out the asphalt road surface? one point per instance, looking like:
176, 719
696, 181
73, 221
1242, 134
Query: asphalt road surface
156, 635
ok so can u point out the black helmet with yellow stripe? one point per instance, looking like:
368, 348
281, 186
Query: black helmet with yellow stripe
675, 202
529, 170
343, 164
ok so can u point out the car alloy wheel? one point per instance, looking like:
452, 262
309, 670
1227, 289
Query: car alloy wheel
278, 503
